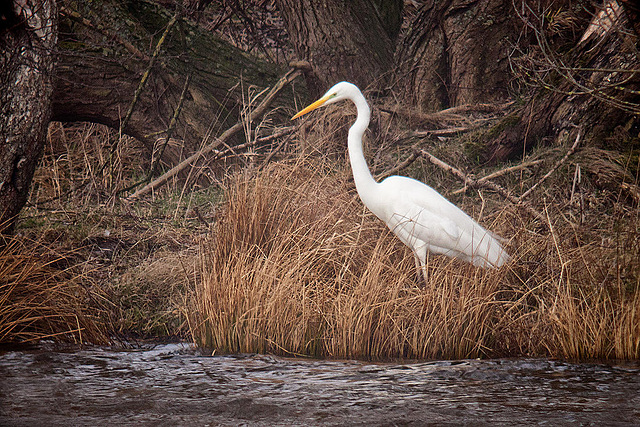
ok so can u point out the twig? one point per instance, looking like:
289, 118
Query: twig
219, 154
632, 190
412, 158
172, 124
502, 172
444, 132
168, 133
455, 171
482, 108
221, 140
510, 169
235, 150
281, 132
490, 185
147, 72
556, 166
273, 152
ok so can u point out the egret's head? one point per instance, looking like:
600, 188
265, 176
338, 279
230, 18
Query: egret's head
340, 91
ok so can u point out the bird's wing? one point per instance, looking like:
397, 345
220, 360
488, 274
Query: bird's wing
415, 210
423, 219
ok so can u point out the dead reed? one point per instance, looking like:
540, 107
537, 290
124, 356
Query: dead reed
297, 266
40, 298
127, 265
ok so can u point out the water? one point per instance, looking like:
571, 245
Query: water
173, 384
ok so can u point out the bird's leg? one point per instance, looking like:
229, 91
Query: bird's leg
421, 271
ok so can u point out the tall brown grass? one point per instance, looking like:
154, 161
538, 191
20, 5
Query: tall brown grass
297, 266
40, 298
126, 265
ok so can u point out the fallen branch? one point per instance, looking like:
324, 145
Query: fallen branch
502, 172
509, 170
489, 185
451, 131
414, 155
221, 140
556, 166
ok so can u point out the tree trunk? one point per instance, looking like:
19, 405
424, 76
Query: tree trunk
105, 49
350, 40
28, 34
457, 52
594, 86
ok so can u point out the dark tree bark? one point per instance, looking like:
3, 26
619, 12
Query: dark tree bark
352, 40
457, 52
105, 49
632, 10
595, 86
28, 34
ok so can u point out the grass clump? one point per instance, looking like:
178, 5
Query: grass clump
296, 265
41, 298
291, 262
136, 260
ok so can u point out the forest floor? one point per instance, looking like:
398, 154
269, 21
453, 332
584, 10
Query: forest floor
222, 264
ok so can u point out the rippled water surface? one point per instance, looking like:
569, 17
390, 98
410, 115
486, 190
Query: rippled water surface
173, 384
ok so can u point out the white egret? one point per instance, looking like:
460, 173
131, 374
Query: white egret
417, 214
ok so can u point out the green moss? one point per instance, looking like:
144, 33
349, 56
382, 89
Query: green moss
32, 222
475, 147
508, 122
475, 143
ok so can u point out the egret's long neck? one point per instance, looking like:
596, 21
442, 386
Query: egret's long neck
361, 174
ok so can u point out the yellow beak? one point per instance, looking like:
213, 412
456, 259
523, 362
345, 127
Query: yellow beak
311, 107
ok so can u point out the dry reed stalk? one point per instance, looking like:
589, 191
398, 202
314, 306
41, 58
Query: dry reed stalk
296, 266
38, 300
77, 168
137, 256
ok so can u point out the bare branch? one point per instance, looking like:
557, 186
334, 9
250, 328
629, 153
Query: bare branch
489, 185
556, 166
501, 172
412, 157
221, 140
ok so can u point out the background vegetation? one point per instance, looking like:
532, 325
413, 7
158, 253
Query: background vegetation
265, 247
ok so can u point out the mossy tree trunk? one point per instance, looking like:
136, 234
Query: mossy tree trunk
28, 34
105, 49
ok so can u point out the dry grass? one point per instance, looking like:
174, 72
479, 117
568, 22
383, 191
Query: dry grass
139, 258
40, 298
297, 266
